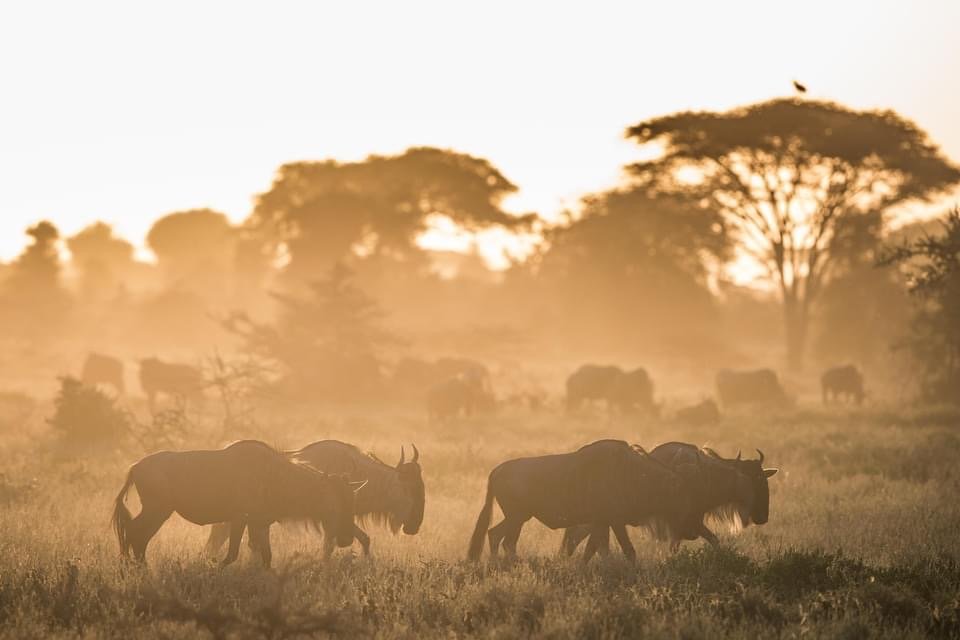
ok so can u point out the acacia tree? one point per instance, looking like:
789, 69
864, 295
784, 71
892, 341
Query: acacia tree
783, 172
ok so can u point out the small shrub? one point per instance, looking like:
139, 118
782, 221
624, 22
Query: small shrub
85, 415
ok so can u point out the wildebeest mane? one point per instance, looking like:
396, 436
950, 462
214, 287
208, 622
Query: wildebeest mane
287, 471
374, 499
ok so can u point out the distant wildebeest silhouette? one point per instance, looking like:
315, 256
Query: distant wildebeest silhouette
604, 484
759, 387
179, 380
416, 374
392, 495
733, 492
248, 484
700, 414
456, 397
534, 400
623, 390
839, 383
102, 369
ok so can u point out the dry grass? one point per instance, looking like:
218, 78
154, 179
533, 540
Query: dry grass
862, 540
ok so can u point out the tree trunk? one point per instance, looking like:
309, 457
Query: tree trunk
795, 319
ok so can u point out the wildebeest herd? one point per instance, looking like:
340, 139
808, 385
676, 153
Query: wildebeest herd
451, 388
603, 486
677, 491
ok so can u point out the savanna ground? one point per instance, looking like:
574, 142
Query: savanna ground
862, 539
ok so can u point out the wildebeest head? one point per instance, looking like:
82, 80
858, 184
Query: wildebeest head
343, 496
753, 482
412, 482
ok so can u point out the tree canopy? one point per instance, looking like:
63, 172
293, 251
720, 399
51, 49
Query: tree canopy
100, 257
325, 212
783, 172
195, 249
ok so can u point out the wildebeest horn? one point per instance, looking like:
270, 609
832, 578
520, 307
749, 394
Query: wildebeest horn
712, 453
761, 455
738, 454
403, 456
416, 454
356, 486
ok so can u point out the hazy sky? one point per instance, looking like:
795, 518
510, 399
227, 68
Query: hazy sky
124, 111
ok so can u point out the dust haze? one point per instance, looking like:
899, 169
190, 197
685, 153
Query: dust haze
760, 332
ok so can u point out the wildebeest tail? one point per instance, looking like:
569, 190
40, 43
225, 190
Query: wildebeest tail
121, 516
480, 531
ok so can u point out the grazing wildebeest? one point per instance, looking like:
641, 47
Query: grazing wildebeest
101, 369
248, 484
471, 370
623, 390
455, 397
419, 375
604, 484
840, 382
700, 414
179, 380
392, 495
759, 387
732, 492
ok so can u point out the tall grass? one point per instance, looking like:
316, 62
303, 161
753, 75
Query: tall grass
862, 541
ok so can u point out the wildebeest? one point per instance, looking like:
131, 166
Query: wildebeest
700, 414
248, 484
623, 390
179, 380
730, 491
392, 495
101, 369
415, 374
842, 382
456, 397
605, 484
760, 387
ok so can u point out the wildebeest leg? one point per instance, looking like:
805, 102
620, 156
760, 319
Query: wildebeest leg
260, 541
495, 535
363, 538
599, 535
572, 537
236, 534
511, 537
328, 542
219, 533
144, 527
708, 535
623, 538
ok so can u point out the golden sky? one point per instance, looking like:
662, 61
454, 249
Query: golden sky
125, 111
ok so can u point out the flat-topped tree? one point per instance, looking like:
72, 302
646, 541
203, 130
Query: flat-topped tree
324, 212
783, 172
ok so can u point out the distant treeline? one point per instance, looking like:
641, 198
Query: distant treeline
796, 190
